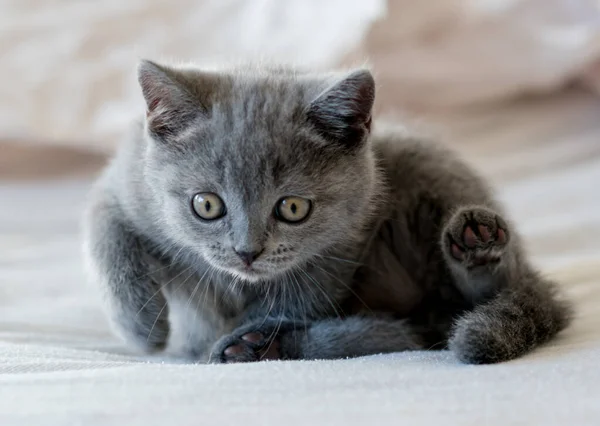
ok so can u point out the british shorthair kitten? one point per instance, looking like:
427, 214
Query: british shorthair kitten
260, 214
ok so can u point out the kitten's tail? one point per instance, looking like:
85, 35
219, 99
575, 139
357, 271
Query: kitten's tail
511, 324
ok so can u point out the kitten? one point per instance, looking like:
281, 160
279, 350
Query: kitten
256, 215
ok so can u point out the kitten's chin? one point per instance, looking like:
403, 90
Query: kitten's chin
254, 276
251, 275
248, 275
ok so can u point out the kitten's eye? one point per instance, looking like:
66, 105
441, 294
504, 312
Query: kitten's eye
208, 206
292, 209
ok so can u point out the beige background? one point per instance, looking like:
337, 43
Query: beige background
68, 66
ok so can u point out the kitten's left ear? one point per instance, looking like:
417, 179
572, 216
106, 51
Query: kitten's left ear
343, 112
169, 104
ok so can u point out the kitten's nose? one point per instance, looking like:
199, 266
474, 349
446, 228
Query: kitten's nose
248, 256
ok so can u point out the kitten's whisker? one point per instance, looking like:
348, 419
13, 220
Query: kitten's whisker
315, 299
226, 291
327, 257
204, 294
289, 282
345, 285
230, 294
331, 302
273, 301
213, 270
441, 342
164, 306
160, 289
339, 259
262, 302
324, 256
173, 261
275, 332
195, 289
304, 310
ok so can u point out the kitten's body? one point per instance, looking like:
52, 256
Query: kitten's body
405, 249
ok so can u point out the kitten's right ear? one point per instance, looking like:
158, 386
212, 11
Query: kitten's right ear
169, 105
343, 112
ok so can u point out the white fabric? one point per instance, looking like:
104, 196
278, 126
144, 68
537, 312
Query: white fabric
59, 365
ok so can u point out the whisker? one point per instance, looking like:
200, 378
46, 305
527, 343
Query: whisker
440, 343
314, 298
165, 305
345, 285
262, 302
324, 292
173, 261
328, 257
209, 283
339, 259
273, 301
304, 310
189, 303
231, 286
160, 289
275, 332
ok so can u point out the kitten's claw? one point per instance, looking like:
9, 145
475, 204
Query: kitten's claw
476, 237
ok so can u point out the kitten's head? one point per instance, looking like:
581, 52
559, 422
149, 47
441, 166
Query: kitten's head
259, 172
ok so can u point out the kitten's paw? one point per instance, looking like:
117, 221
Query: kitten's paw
474, 343
249, 343
475, 237
492, 334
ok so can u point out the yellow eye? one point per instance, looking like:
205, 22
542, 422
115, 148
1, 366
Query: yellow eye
208, 206
293, 209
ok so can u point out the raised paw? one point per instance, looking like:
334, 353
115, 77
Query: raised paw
476, 237
254, 342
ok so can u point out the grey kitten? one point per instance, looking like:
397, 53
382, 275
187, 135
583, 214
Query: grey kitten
256, 215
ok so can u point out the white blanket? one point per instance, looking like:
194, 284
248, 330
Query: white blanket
59, 365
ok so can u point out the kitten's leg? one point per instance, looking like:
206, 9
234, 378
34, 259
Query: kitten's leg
115, 261
515, 309
325, 339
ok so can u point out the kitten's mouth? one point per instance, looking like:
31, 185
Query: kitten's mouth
255, 273
249, 270
250, 273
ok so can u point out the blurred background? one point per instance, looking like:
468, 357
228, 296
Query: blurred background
67, 75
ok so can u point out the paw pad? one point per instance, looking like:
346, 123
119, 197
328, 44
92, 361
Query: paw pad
245, 347
476, 237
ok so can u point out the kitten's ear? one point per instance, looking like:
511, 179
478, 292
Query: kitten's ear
169, 105
343, 112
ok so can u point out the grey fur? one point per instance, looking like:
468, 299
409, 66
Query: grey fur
405, 247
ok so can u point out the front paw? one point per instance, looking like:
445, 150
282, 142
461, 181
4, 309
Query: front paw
475, 237
253, 342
